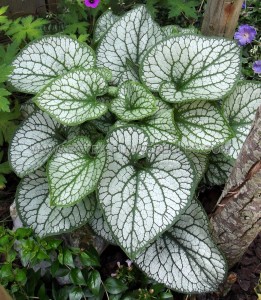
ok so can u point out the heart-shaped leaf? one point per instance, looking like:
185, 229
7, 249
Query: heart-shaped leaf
73, 171
143, 188
103, 24
159, 127
201, 125
34, 142
134, 102
125, 44
71, 99
34, 209
192, 67
219, 168
185, 258
240, 108
47, 58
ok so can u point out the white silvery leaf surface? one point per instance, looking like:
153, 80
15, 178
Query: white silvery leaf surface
185, 258
191, 67
73, 171
71, 99
219, 168
103, 24
126, 42
100, 227
35, 211
47, 58
34, 142
143, 188
201, 125
239, 108
134, 102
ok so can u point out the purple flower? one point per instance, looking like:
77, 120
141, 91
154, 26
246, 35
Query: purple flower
244, 5
257, 66
245, 34
91, 3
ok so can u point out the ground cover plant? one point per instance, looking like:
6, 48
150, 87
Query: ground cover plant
120, 135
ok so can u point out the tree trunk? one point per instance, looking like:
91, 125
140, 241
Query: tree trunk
236, 221
221, 17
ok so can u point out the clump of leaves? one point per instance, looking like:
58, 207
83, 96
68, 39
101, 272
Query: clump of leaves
121, 139
35, 267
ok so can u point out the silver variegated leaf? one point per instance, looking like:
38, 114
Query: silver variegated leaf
35, 211
134, 102
185, 258
100, 227
200, 162
240, 108
73, 172
71, 99
219, 168
161, 126
126, 42
201, 125
103, 24
191, 67
47, 58
34, 142
173, 30
143, 188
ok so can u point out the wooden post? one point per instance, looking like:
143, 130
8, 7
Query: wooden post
237, 218
221, 17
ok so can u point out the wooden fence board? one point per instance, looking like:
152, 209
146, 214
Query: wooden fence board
19, 8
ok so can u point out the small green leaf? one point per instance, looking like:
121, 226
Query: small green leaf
67, 258
76, 293
20, 276
42, 293
94, 282
77, 277
90, 258
27, 28
6, 272
115, 286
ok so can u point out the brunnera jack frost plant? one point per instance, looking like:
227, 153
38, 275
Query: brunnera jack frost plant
121, 137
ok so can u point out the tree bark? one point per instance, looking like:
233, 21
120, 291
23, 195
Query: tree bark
236, 221
221, 17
